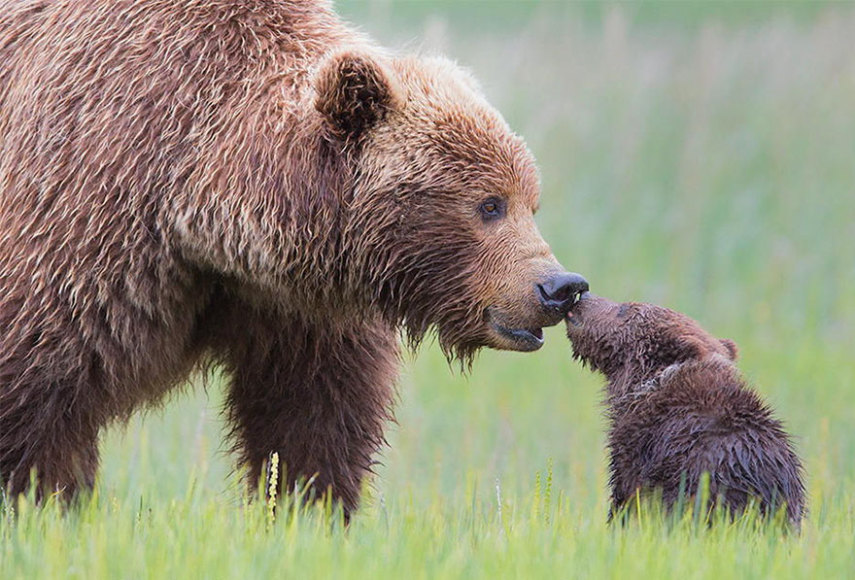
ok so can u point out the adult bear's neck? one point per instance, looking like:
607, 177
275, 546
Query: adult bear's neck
272, 212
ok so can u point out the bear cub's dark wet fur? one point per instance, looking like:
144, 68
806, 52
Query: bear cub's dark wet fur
678, 407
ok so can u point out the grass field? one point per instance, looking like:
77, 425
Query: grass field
697, 157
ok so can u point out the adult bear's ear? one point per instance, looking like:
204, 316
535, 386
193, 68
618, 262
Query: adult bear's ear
731, 347
354, 92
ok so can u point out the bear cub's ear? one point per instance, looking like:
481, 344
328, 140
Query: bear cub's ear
690, 347
354, 92
731, 347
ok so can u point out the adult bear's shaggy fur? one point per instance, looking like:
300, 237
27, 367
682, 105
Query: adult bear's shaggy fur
253, 183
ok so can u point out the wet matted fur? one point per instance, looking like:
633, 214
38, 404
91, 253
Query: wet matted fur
678, 408
248, 182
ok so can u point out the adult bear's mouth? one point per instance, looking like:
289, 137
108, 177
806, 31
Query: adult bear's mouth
527, 339
523, 339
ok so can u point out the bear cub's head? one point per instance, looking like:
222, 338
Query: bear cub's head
634, 341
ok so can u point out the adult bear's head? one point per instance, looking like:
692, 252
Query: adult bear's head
441, 228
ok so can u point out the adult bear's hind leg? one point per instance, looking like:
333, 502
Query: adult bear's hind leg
317, 396
43, 433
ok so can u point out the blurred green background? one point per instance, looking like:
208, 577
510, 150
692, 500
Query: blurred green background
701, 156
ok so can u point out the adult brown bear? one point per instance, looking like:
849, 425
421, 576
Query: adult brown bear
249, 182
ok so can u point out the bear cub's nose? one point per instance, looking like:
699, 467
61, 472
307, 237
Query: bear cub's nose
561, 292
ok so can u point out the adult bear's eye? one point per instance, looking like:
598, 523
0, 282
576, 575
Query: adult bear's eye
491, 209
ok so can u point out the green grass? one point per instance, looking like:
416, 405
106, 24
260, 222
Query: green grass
690, 157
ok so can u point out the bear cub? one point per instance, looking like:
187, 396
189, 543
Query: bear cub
678, 407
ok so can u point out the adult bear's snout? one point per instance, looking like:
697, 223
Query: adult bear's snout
560, 292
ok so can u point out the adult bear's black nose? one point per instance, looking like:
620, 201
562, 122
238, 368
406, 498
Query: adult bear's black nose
561, 291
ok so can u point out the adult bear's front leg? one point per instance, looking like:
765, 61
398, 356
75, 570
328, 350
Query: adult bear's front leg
319, 396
